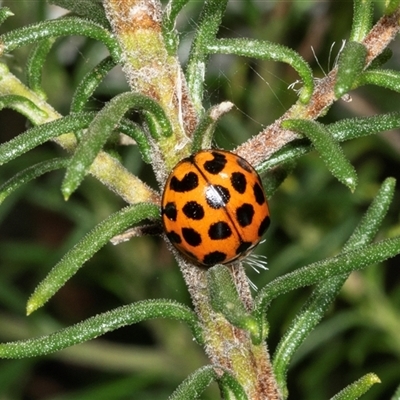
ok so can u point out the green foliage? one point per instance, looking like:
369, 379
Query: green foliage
63, 27
351, 64
99, 325
357, 389
330, 152
225, 299
101, 128
268, 51
362, 19
316, 306
86, 248
40, 134
321, 235
195, 384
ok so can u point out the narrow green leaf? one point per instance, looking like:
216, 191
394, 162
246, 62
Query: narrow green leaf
345, 129
29, 174
386, 78
383, 58
89, 83
322, 296
170, 14
133, 130
396, 396
5, 12
305, 321
351, 64
329, 151
391, 6
225, 300
273, 178
358, 388
204, 132
56, 28
195, 384
22, 105
362, 19
370, 223
35, 64
39, 134
263, 50
206, 31
89, 9
353, 128
101, 324
231, 388
320, 271
87, 247
100, 130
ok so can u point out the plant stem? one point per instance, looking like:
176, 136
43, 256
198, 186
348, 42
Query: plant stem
151, 71
227, 346
105, 168
273, 138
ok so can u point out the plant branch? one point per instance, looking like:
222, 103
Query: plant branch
153, 72
273, 138
105, 168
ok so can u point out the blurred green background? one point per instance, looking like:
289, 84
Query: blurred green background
312, 216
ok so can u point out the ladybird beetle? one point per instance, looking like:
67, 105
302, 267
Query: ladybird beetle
213, 207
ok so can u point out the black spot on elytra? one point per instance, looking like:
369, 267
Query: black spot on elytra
238, 181
217, 196
189, 182
244, 214
216, 165
244, 164
174, 237
259, 194
193, 210
219, 230
191, 236
214, 257
243, 247
170, 211
264, 225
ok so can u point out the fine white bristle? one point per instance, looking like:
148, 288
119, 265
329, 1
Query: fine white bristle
252, 284
257, 262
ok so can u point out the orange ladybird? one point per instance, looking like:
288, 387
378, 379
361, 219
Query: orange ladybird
213, 207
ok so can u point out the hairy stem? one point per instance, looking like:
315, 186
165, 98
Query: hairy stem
152, 71
273, 138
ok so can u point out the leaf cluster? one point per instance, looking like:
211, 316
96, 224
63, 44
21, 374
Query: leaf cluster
92, 144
